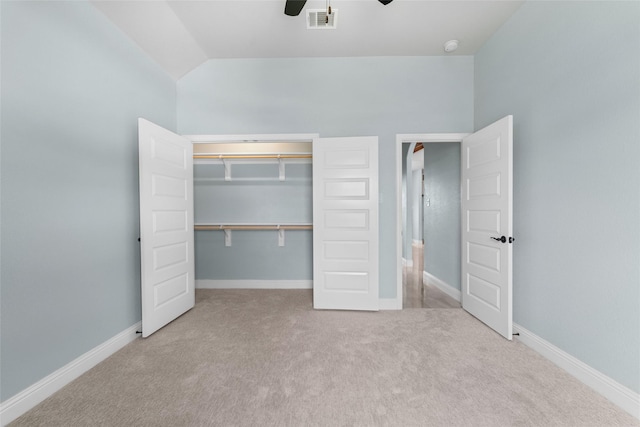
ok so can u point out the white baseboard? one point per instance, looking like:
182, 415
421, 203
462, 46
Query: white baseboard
384, 304
389, 304
17, 405
407, 262
442, 285
254, 284
617, 393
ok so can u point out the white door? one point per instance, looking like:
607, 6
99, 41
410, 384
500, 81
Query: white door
487, 173
166, 225
345, 223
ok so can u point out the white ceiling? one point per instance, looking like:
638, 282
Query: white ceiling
180, 35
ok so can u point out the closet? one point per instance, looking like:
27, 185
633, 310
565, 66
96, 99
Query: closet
276, 187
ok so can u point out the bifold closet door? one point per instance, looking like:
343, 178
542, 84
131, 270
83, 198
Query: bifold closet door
345, 223
166, 225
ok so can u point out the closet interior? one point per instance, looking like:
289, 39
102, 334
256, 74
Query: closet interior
252, 209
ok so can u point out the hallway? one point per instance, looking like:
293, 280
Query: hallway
416, 293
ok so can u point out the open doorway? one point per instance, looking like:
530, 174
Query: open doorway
429, 221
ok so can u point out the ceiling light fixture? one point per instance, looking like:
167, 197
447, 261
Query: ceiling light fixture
451, 46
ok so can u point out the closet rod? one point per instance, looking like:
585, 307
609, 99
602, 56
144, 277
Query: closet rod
251, 156
252, 227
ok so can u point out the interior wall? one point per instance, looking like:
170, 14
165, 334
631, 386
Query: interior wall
254, 195
380, 96
573, 92
73, 87
442, 212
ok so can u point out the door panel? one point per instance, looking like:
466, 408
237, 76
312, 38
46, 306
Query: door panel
166, 225
487, 171
345, 223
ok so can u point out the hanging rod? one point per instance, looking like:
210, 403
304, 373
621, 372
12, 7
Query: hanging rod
253, 226
251, 156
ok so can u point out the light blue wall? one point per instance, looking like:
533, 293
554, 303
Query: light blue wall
442, 216
334, 97
569, 72
254, 195
72, 89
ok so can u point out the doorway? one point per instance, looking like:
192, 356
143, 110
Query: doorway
429, 220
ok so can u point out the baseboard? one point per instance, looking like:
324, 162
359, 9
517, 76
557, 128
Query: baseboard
17, 405
620, 395
254, 284
407, 262
442, 285
389, 304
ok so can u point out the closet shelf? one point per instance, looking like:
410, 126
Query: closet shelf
228, 159
227, 228
251, 156
253, 226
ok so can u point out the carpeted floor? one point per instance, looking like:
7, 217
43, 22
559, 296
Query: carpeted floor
266, 358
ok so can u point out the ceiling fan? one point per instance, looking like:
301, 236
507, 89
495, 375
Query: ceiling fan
294, 7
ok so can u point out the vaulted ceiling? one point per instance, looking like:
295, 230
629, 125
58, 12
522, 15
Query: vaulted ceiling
180, 35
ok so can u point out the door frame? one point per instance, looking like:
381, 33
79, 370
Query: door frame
401, 139
270, 137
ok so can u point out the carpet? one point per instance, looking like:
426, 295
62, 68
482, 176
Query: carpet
266, 358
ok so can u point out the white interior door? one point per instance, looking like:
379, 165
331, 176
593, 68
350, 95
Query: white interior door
166, 225
345, 223
487, 173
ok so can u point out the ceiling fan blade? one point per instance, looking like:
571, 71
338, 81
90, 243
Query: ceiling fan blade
294, 7
385, 2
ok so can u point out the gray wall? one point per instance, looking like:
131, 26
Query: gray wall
72, 89
333, 97
569, 73
442, 217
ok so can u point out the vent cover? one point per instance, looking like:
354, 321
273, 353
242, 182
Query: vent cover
317, 19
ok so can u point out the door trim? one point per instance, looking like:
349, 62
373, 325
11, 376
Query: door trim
410, 138
279, 137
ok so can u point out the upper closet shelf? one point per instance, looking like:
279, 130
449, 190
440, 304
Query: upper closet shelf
258, 152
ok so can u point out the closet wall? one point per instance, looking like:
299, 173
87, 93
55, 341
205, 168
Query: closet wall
380, 96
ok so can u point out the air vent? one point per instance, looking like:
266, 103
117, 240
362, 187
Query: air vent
317, 19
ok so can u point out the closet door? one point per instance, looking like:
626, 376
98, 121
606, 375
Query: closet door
166, 225
345, 223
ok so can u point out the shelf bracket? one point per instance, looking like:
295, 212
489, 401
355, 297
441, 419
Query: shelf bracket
280, 236
227, 169
227, 237
281, 168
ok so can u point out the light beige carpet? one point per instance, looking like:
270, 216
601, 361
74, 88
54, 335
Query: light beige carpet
265, 358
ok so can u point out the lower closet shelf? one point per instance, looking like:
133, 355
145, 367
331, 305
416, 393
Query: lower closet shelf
227, 228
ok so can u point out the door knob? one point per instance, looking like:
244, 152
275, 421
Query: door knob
502, 239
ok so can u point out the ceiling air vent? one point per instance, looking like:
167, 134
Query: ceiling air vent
317, 19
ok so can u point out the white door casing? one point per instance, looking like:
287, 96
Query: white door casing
345, 223
166, 225
487, 193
